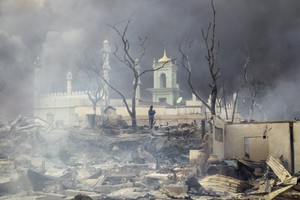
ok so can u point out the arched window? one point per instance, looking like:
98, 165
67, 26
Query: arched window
163, 80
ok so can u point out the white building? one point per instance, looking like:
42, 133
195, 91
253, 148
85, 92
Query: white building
71, 107
165, 88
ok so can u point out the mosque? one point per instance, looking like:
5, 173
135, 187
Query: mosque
72, 107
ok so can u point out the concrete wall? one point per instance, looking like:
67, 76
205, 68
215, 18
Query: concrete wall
297, 145
277, 136
219, 139
76, 115
279, 142
72, 109
66, 115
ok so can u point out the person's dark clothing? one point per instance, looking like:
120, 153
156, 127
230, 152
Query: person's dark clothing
151, 114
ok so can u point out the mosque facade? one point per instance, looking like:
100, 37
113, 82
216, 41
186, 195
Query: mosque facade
72, 107
165, 87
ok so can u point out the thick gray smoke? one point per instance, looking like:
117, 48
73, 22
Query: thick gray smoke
59, 32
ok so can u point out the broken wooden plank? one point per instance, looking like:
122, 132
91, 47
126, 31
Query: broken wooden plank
280, 171
5, 129
289, 194
18, 119
275, 193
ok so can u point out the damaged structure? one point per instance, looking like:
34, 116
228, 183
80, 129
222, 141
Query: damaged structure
184, 161
42, 162
258, 140
189, 155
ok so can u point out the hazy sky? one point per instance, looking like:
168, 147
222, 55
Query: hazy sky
60, 31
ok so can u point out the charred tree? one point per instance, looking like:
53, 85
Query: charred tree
96, 95
89, 65
235, 96
211, 58
249, 83
222, 100
249, 91
126, 57
237, 93
185, 63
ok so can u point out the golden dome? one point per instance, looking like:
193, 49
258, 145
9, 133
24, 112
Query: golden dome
164, 58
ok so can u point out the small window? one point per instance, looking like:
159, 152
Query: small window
218, 134
163, 80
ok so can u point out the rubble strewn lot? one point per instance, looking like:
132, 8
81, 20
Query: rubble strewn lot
41, 162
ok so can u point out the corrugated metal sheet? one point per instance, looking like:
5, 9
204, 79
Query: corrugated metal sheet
280, 171
224, 184
93, 183
54, 172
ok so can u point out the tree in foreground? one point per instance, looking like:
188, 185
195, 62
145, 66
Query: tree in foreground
90, 63
212, 50
132, 63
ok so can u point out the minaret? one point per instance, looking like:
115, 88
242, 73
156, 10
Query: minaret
105, 70
138, 89
165, 88
69, 83
37, 69
234, 101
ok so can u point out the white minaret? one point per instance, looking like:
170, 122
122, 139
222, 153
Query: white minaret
37, 70
138, 89
105, 70
234, 101
165, 88
69, 83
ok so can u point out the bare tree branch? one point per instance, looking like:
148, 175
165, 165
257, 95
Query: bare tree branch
152, 70
211, 59
245, 83
249, 83
128, 60
222, 100
185, 63
89, 65
234, 105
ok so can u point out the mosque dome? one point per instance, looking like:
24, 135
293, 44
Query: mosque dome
164, 58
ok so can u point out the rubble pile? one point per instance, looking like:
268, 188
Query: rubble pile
262, 180
106, 163
172, 162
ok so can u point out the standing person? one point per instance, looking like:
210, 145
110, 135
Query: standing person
151, 114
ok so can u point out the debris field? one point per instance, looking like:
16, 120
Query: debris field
39, 161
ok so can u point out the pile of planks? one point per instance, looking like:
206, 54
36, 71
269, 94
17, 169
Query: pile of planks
276, 182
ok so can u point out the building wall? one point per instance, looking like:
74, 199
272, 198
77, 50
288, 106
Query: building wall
72, 110
219, 139
164, 115
64, 115
297, 145
61, 106
170, 98
278, 140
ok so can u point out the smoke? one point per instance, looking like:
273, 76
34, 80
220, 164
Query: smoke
60, 31
282, 101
